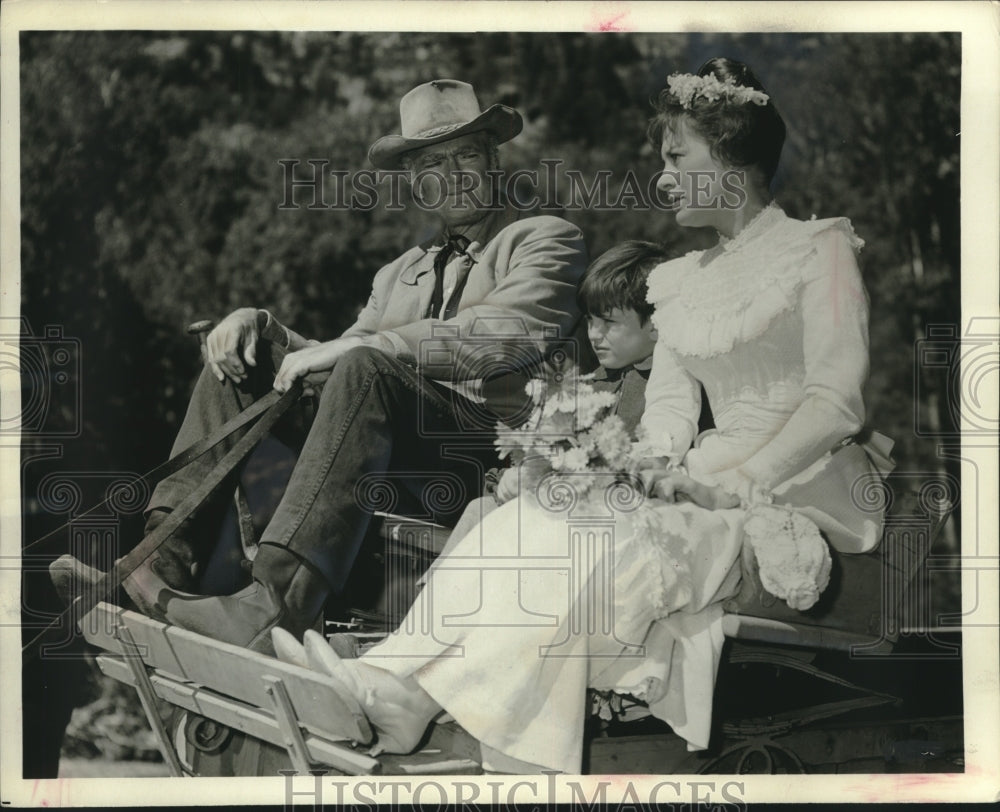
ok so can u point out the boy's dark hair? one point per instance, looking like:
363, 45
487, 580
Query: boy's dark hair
617, 278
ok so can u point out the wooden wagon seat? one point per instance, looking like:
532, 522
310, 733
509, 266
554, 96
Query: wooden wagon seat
284, 708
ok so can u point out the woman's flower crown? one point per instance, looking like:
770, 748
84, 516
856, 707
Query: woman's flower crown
687, 87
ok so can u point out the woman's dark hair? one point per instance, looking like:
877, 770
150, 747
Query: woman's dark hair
617, 278
739, 134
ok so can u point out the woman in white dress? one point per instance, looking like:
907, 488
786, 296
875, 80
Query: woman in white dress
533, 607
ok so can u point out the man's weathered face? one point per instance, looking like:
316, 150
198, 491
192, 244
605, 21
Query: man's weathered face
450, 178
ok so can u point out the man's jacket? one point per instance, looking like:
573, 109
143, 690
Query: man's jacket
517, 299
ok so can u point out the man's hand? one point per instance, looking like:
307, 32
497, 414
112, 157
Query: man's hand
312, 363
236, 331
668, 485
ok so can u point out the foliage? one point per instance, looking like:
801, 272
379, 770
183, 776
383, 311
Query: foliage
112, 727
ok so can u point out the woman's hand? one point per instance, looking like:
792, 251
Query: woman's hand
507, 486
711, 497
653, 471
313, 364
520, 477
671, 484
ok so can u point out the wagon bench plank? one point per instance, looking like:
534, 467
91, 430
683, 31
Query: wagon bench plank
242, 717
230, 669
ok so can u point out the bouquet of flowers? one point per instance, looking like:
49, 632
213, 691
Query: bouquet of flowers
573, 433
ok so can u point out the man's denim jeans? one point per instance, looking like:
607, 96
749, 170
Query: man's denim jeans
382, 438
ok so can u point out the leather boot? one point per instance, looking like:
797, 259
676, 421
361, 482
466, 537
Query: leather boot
72, 578
287, 593
174, 561
171, 566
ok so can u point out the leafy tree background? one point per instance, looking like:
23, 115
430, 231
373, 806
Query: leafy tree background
150, 187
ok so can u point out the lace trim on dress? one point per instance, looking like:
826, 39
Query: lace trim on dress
772, 212
657, 534
705, 310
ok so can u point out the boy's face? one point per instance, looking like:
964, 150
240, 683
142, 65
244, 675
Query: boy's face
620, 339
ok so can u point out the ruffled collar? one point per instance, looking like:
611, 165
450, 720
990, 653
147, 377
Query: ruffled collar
707, 301
769, 215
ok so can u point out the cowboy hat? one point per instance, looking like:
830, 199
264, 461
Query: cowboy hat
439, 111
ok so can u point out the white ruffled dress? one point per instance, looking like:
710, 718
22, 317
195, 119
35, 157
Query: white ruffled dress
535, 605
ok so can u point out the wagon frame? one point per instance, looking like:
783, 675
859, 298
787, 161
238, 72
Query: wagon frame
237, 712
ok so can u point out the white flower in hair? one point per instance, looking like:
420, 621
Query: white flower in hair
687, 87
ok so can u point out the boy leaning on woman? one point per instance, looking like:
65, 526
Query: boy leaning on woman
612, 298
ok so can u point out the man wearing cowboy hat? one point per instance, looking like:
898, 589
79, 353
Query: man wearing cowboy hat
413, 388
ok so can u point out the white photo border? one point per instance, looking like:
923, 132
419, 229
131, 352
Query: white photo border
980, 171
